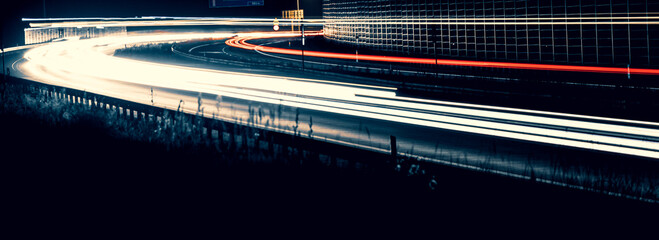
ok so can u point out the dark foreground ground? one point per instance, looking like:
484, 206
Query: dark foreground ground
77, 176
64, 170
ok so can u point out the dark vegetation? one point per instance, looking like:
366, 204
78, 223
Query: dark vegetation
599, 172
75, 164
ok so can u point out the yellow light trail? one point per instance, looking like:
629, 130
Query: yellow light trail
153, 21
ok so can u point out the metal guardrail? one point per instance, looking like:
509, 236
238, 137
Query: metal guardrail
313, 67
287, 139
145, 112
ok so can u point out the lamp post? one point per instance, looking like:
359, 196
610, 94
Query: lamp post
434, 44
303, 38
357, 49
302, 32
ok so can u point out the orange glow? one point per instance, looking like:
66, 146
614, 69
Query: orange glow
241, 42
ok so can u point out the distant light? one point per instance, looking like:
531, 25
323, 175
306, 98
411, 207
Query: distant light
100, 27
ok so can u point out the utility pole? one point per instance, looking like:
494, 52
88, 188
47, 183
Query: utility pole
303, 38
301, 31
357, 49
434, 44
44, 8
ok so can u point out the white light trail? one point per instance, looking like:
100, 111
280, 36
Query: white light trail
86, 64
630, 19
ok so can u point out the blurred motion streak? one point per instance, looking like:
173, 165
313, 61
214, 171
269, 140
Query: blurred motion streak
241, 42
89, 65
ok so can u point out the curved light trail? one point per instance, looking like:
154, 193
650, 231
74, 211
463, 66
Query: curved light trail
89, 65
241, 42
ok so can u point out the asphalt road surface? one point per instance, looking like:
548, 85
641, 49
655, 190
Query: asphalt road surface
508, 141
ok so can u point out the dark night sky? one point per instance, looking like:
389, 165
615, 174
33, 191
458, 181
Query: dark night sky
17, 9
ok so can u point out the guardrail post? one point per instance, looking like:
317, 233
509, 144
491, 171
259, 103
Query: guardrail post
209, 130
220, 139
394, 150
271, 145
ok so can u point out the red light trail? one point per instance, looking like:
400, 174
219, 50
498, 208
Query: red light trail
241, 42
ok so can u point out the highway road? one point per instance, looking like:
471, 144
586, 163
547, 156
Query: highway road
503, 140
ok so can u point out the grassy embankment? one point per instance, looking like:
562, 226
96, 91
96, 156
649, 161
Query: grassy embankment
67, 160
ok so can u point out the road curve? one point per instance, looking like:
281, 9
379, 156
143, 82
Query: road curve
241, 42
357, 115
76, 62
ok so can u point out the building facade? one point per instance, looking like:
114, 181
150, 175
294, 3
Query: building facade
585, 32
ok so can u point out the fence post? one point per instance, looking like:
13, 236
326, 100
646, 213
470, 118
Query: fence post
394, 150
209, 130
